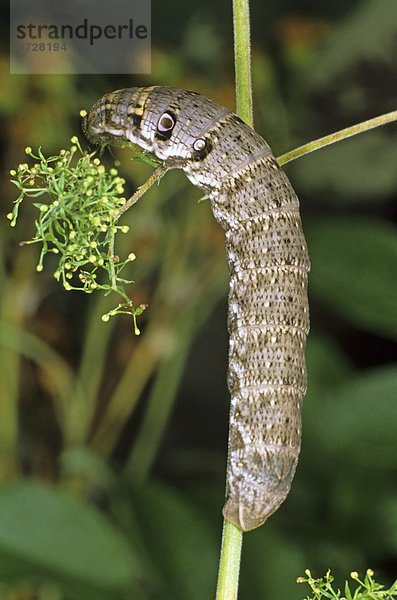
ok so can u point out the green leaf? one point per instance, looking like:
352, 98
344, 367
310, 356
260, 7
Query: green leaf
327, 365
364, 34
49, 535
271, 563
354, 266
358, 420
180, 541
347, 591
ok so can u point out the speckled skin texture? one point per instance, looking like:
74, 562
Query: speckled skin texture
268, 318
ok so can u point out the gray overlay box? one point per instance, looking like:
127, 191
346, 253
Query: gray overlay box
86, 36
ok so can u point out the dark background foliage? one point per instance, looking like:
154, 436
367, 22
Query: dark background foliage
112, 447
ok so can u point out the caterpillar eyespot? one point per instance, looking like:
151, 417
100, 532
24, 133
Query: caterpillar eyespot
254, 202
166, 123
199, 144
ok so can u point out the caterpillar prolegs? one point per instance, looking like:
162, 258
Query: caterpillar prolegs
268, 318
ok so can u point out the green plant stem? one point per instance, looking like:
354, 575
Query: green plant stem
229, 568
209, 290
337, 136
111, 262
13, 313
159, 172
242, 60
232, 538
58, 376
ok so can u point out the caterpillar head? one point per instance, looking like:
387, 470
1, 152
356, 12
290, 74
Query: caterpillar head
170, 123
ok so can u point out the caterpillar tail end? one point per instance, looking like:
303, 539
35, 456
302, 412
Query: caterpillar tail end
242, 516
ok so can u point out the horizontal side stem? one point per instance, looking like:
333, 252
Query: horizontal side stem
337, 136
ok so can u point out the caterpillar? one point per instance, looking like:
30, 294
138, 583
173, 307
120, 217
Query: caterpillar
268, 316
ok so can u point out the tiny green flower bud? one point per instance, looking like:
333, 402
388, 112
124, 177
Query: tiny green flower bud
39, 268
13, 172
105, 318
74, 139
83, 113
28, 149
131, 256
125, 229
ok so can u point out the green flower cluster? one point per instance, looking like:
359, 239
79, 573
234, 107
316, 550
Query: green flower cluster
78, 221
368, 589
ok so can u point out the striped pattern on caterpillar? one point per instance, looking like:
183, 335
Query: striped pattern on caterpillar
268, 318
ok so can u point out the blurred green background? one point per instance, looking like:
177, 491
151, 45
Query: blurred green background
113, 447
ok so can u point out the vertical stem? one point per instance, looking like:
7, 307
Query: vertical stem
229, 566
111, 262
242, 60
232, 538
